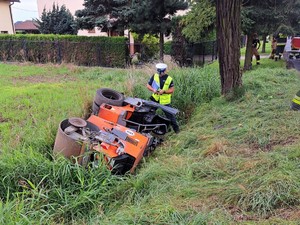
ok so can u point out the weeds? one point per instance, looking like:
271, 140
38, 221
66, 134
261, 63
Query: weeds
194, 87
233, 160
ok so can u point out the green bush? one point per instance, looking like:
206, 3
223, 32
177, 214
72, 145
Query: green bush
168, 48
150, 47
80, 50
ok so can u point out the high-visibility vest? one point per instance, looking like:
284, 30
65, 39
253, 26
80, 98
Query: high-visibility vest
296, 102
165, 98
281, 39
296, 99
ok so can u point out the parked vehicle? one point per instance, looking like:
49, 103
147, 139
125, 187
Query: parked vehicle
119, 132
293, 48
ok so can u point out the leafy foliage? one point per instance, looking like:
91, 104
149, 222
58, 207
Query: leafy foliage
57, 21
199, 23
150, 44
179, 51
154, 16
104, 14
268, 17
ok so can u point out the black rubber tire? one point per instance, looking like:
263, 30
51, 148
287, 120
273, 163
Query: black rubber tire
109, 96
95, 109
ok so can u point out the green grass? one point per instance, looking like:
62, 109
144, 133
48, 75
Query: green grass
234, 162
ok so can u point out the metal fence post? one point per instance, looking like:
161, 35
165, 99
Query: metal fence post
9, 49
24, 47
99, 54
213, 51
203, 54
59, 59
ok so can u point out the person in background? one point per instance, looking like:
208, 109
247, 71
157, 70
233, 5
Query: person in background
162, 87
295, 105
273, 48
255, 47
281, 41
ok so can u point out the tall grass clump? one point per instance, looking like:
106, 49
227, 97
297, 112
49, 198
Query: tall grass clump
194, 87
56, 190
233, 162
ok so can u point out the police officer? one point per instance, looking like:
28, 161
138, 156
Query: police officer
255, 47
162, 87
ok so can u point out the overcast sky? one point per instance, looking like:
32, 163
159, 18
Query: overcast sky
24, 10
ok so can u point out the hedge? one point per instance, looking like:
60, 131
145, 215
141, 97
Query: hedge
80, 50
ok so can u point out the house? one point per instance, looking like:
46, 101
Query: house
26, 27
73, 6
6, 21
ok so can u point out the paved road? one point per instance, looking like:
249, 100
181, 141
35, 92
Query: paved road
293, 63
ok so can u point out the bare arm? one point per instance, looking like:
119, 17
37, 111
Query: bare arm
151, 88
169, 91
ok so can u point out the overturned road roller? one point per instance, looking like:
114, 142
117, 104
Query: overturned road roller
119, 132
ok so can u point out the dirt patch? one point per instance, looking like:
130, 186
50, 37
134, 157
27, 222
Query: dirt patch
288, 214
216, 148
273, 143
3, 120
285, 214
44, 79
238, 214
196, 204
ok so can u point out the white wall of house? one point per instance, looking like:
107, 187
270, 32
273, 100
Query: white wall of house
94, 32
6, 23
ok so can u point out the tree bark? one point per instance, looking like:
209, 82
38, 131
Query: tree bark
248, 54
229, 34
161, 46
264, 41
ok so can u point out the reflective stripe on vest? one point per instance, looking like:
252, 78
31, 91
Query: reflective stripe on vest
296, 100
163, 99
281, 40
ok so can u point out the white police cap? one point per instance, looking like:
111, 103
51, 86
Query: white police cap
161, 66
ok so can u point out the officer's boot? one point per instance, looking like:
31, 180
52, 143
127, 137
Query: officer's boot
257, 59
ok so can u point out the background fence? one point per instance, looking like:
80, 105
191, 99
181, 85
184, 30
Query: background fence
79, 53
196, 54
104, 54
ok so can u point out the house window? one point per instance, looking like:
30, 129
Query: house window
3, 32
92, 31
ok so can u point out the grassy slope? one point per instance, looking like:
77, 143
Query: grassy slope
233, 161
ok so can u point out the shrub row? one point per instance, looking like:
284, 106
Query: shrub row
80, 50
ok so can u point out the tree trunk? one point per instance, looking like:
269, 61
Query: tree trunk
229, 34
263, 48
248, 54
161, 46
